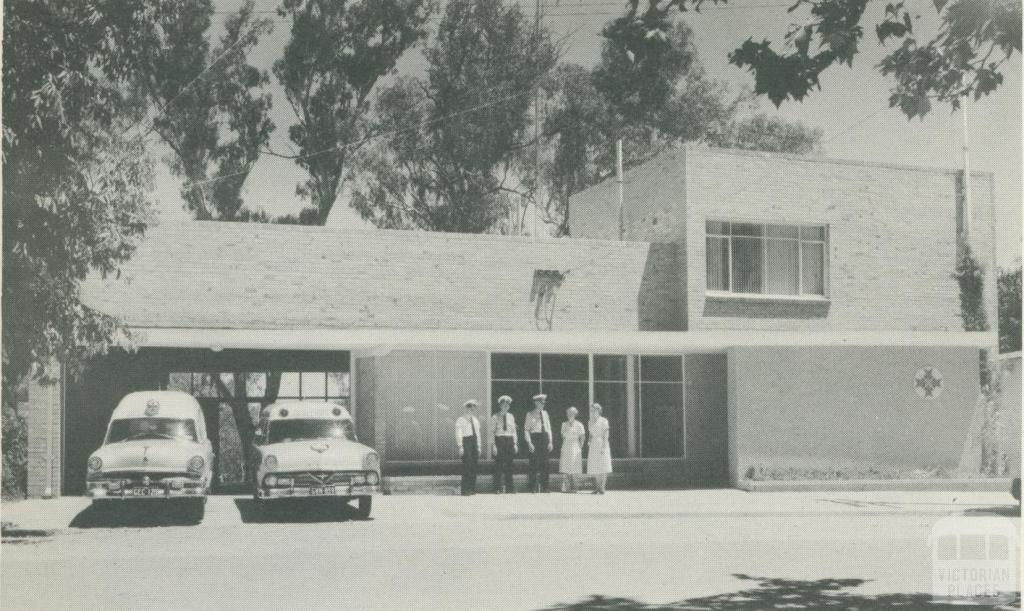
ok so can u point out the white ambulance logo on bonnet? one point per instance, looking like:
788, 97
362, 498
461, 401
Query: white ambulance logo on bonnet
152, 407
928, 382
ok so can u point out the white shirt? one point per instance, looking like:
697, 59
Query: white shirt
535, 424
509, 428
466, 426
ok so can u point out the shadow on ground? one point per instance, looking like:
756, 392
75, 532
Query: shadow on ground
775, 593
136, 514
295, 512
1006, 511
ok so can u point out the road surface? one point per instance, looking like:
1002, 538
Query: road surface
625, 550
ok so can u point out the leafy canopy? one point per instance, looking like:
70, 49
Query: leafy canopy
75, 180
964, 58
216, 124
453, 142
337, 52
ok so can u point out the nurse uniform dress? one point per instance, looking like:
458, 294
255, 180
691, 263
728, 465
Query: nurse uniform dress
599, 455
571, 460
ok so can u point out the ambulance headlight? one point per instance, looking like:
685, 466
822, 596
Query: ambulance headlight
371, 462
372, 478
270, 462
270, 480
196, 464
95, 463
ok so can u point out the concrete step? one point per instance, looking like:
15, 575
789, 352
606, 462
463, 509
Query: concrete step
451, 484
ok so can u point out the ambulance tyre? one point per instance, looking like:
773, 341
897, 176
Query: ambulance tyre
195, 509
365, 504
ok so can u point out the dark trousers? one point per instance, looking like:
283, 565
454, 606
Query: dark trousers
539, 468
503, 464
470, 455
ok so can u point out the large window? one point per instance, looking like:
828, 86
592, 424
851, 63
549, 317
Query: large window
766, 259
657, 393
563, 377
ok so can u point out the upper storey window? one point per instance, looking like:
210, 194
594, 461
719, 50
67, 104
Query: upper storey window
766, 259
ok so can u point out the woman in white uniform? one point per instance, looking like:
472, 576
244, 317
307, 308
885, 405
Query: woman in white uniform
571, 461
599, 454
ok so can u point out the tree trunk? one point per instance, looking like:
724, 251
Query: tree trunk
246, 428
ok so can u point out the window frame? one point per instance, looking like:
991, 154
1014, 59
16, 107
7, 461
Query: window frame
764, 238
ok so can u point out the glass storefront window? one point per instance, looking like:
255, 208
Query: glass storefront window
565, 378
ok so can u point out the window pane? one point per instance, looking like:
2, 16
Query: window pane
782, 231
180, 381
515, 366
782, 267
256, 384
563, 366
314, 384
812, 233
661, 368
612, 397
813, 268
718, 264
228, 382
746, 265
748, 229
661, 416
609, 367
289, 385
337, 384
203, 385
717, 227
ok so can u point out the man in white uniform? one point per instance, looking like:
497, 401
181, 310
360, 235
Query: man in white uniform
467, 436
504, 446
537, 434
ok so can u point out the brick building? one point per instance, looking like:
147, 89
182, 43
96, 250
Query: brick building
763, 312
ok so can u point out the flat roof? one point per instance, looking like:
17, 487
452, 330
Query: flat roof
636, 342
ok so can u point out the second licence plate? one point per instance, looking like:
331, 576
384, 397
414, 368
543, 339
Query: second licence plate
138, 491
321, 490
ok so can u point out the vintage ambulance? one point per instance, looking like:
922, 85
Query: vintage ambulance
308, 449
156, 448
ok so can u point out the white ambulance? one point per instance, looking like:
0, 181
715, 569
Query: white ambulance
308, 449
156, 448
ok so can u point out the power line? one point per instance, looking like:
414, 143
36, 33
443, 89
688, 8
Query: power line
163, 108
361, 141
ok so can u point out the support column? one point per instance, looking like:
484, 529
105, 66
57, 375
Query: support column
45, 442
631, 411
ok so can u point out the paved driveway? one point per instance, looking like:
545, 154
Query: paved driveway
625, 550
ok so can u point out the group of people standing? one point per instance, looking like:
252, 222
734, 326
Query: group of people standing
539, 439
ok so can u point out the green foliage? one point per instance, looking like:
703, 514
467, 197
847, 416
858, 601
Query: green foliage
337, 52
1009, 310
75, 187
453, 142
217, 124
975, 38
15, 452
970, 275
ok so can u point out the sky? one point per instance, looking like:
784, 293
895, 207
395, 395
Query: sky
851, 108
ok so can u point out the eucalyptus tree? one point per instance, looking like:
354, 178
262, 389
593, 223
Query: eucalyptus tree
337, 53
453, 145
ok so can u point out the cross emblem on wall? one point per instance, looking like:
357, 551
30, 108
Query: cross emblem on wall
928, 382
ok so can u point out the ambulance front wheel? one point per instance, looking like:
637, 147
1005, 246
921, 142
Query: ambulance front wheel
365, 505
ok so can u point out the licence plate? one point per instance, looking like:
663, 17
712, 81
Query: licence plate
138, 491
321, 490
